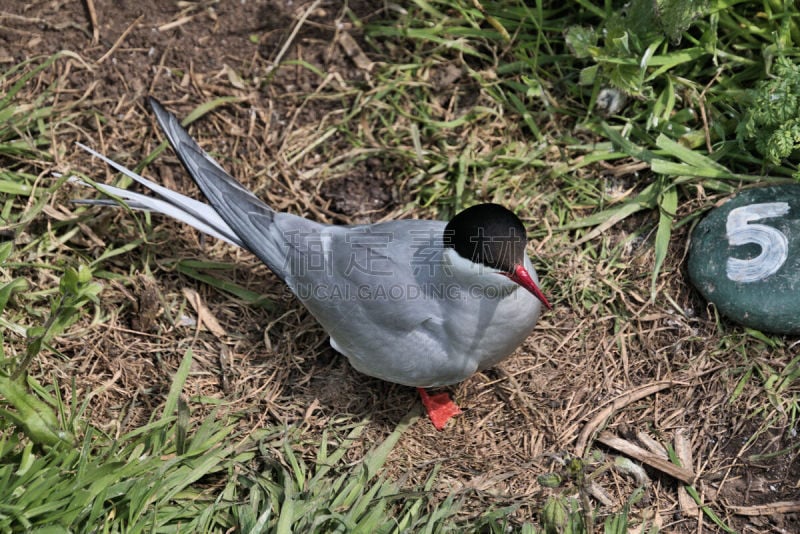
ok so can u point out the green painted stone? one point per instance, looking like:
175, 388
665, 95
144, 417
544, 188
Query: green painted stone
745, 258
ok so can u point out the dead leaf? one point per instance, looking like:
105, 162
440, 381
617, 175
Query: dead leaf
354, 52
204, 315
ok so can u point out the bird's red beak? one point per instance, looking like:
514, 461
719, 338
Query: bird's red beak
523, 278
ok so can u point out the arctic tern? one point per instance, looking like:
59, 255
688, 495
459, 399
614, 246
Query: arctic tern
416, 302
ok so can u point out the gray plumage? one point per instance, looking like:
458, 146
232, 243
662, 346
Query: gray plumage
396, 302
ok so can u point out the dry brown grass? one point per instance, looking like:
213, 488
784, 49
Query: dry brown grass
606, 359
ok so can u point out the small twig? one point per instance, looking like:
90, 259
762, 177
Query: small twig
684, 451
292, 35
706, 131
652, 445
93, 21
643, 455
621, 401
119, 41
781, 507
157, 73
703, 115
176, 23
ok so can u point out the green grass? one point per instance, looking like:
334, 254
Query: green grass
166, 477
697, 80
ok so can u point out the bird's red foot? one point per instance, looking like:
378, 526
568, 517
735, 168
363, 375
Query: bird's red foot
440, 407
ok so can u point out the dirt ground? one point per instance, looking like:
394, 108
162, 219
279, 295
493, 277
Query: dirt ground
644, 372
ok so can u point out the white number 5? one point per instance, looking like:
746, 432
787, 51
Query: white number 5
774, 244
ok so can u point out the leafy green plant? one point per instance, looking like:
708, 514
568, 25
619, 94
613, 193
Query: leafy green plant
26, 127
35, 414
21, 124
75, 290
24, 133
562, 515
773, 118
629, 49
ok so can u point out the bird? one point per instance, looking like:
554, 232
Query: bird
422, 303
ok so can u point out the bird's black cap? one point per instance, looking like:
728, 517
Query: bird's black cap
488, 234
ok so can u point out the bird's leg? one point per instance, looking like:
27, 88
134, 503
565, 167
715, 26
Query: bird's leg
440, 407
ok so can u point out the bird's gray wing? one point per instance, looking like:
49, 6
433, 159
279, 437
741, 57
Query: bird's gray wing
385, 271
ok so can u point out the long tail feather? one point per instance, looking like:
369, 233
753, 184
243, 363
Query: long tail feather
200, 216
233, 213
186, 209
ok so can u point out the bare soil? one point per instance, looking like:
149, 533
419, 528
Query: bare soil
522, 419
